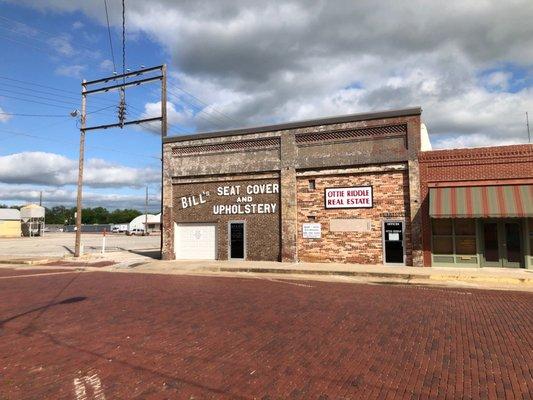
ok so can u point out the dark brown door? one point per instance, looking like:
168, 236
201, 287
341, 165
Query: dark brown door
491, 252
502, 244
512, 245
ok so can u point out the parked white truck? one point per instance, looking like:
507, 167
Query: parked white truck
119, 228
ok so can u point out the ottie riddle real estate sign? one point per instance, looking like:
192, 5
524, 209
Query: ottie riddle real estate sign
349, 197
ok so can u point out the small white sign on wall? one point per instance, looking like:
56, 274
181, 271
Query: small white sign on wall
312, 231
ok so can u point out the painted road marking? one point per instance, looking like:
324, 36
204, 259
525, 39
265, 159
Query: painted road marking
284, 281
91, 382
43, 274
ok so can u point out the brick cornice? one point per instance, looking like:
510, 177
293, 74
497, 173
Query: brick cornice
477, 154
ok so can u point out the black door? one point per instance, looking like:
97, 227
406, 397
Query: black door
237, 240
513, 245
393, 231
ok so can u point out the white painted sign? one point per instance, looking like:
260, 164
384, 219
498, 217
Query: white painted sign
394, 236
349, 197
244, 199
312, 231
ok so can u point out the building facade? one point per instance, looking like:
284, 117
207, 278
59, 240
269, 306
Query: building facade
10, 222
477, 207
343, 189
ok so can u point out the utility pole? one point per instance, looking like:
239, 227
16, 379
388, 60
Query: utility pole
527, 123
77, 243
126, 80
146, 212
41, 198
164, 129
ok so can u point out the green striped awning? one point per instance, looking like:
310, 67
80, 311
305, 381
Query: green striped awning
481, 201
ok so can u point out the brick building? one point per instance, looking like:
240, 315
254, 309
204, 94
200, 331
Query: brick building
477, 207
340, 189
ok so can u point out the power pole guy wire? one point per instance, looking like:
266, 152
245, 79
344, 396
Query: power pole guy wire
109, 35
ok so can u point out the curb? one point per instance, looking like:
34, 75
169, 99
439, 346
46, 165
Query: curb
483, 279
26, 261
364, 274
369, 274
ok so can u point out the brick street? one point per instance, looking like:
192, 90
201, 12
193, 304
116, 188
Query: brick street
101, 335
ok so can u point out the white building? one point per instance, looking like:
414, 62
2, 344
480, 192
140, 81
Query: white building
9, 222
154, 222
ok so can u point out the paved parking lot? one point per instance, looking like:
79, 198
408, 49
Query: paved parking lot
101, 335
60, 244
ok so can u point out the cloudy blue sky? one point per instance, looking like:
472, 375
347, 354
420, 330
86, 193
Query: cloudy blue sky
468, 64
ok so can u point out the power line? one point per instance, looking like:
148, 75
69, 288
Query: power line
122, 93
58, 90
35, 115
204, 115
100, 109
25, 44
46, 87
53, 105
123, 40
20, 133
25, 82
109, 35
35, 84
75, 103
37, 91
37, 102
53, 35
49, 99
204, 103
38, 97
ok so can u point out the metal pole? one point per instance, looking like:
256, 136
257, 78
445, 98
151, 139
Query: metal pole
163, 135
146, 212
77, 243
527, 123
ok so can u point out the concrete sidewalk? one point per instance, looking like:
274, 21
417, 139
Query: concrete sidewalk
493, 277
487, 278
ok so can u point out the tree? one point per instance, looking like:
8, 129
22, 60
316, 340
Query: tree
61, 215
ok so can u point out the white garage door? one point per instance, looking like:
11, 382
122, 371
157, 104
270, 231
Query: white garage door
195, 241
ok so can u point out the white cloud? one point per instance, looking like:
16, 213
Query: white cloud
174, 117
21, 194
62, 45
71, 71
57, 170
499, 80
107, 66
263, 62
78, 25
472, 140
3, 116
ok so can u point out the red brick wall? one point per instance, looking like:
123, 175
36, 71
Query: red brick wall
466, 167
262, 230
391, 195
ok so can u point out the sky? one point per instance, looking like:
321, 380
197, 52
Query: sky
468, 64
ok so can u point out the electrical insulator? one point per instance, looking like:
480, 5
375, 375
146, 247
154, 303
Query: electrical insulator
122, 112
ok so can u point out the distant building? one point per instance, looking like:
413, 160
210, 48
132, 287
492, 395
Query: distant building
154, 222
32, 217
9, 222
